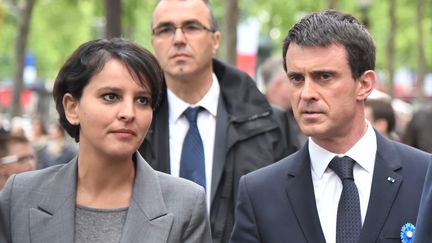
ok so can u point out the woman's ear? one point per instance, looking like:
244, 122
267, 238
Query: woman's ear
366, 83
70, 106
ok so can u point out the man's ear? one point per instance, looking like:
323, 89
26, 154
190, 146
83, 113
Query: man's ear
70, 106
216, 40
366, 83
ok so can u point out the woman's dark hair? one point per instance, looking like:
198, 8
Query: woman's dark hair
90, 58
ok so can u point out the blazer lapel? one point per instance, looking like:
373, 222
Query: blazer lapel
147, 219
385, 186
53, 219
300, 192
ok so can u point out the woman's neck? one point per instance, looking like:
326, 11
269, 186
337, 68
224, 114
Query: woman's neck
105, 184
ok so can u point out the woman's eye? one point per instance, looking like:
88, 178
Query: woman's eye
109, 97
143, 100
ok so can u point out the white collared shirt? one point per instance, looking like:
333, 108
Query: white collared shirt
328, 186
179, 125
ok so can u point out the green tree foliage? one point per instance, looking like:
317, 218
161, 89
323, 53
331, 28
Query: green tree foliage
7, 41
59, 26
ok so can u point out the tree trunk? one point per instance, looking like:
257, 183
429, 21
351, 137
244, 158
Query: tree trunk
113, 18
391, 47
421, 65
229, 37
332, 4
20, 48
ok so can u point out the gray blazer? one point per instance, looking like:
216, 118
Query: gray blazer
39, 207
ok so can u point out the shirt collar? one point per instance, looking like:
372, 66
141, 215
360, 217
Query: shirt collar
209, 102
363, 152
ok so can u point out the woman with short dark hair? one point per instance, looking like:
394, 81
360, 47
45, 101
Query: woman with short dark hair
105, 94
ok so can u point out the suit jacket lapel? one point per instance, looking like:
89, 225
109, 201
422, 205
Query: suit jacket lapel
384, 190
300, 192
147, 217
53, 220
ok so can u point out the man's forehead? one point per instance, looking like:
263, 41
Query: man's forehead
176, 5
180, 10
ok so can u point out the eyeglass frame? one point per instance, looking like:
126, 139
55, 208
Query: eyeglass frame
173, 29
15, 158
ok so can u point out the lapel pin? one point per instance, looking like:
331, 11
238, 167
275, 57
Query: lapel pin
407, 233
391, 179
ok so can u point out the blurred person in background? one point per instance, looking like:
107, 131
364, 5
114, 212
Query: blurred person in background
17, 127
57, 150
276, 89
39, 136
418, 132
3, 129
275, 83
16, 156
381, 115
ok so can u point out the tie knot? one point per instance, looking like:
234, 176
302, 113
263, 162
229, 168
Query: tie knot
191, 113
343, 166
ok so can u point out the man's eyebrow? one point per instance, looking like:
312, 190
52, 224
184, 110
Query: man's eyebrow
324, 71
163, 24
291, 73
189, 21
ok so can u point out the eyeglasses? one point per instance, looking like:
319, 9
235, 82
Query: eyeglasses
189, 29
14, 158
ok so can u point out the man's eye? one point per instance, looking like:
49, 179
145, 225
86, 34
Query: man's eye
295, 78
326, 76
166, 29
192, 27
109, 97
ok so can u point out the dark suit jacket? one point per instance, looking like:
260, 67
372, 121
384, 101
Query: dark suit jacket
277, 203
423, 233
249, 135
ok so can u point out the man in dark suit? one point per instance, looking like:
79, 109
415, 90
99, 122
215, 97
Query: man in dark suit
347, 177
238, 128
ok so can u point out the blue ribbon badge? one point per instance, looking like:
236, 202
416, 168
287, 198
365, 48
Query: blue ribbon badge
407, 233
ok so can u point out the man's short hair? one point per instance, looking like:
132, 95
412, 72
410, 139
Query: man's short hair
332, 27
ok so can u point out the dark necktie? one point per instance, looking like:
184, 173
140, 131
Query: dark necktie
192, 165
348, 225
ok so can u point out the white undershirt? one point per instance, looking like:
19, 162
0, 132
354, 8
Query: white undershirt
328, 186
179, 125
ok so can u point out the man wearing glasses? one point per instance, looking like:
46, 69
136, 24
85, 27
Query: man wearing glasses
212, 125
16, 156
